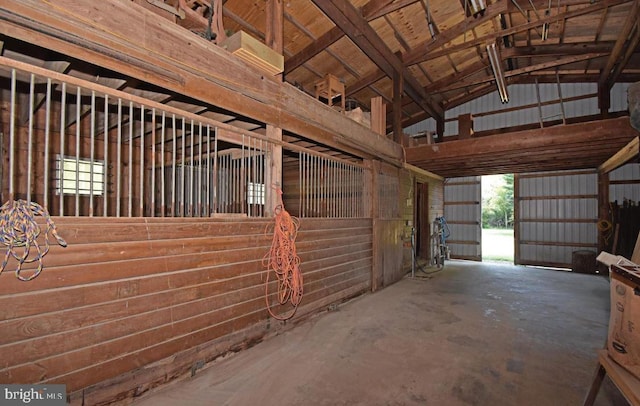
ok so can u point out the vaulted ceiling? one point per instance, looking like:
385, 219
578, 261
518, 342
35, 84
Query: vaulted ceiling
363, 42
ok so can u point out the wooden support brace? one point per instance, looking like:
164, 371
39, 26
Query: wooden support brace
378, 116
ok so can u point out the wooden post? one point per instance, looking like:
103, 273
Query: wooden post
377, 266
465, 126
273, 171
378, 116
440, 128
603, 205
274, 35
634, 105
397, 107
604, 100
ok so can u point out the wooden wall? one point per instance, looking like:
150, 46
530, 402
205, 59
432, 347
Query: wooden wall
409, 205
134, 302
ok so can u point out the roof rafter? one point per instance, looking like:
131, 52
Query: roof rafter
607, 76
347, 17
527, 69
430, 53
372, 10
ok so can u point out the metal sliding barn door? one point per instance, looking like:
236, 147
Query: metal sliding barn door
555, 214
463, 212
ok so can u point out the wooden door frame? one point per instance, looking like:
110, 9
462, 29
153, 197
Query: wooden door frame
421, 222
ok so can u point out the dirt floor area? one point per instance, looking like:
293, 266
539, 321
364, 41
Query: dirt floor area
473, 334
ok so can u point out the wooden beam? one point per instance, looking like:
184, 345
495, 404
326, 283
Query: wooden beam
625, 31
574, 146
542, 50
421, 54
344, 15
370, 11
313, 49
527, 69
629, 152
397, 107
129, 39
422, 172
630, 50
378, 116
274, 33
365, 81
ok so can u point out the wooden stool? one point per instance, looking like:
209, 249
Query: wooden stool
331, 87
626, 383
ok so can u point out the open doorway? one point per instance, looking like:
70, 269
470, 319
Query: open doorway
497, 218
422, 221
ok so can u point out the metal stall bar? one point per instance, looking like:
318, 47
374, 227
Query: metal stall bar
152, 183
183, 143
243, 176
142, 151
208, 188
316, 181
191, 167
32, 79
63, 115
47, 140
130, 171
77, 124
92, 151
216, 207
119, 159
105, 172
335, 169
173, 168
163, 206
199, 189
12, 136
300, 176
247, 175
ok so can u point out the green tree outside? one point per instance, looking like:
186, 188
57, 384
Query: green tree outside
497, 204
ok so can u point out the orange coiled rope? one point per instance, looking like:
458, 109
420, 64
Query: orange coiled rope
283, 260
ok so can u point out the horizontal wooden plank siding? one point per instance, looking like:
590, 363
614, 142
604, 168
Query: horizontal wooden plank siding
129, 293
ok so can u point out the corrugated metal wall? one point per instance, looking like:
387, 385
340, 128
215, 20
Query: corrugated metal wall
522, 95
555, 214
463, 212
624, 183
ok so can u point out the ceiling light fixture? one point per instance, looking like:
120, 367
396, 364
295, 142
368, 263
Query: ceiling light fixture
433, 30
498, 73
477, 7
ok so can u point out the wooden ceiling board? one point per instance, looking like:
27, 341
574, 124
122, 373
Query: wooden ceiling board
296, 39
356, 59
411, 22
387, 34
307, 14
446, 13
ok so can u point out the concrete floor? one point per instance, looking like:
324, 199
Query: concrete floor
474, 334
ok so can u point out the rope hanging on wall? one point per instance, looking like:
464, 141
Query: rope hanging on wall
19, 233
283, 260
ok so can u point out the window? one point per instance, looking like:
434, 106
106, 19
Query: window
255, 193
81, 176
